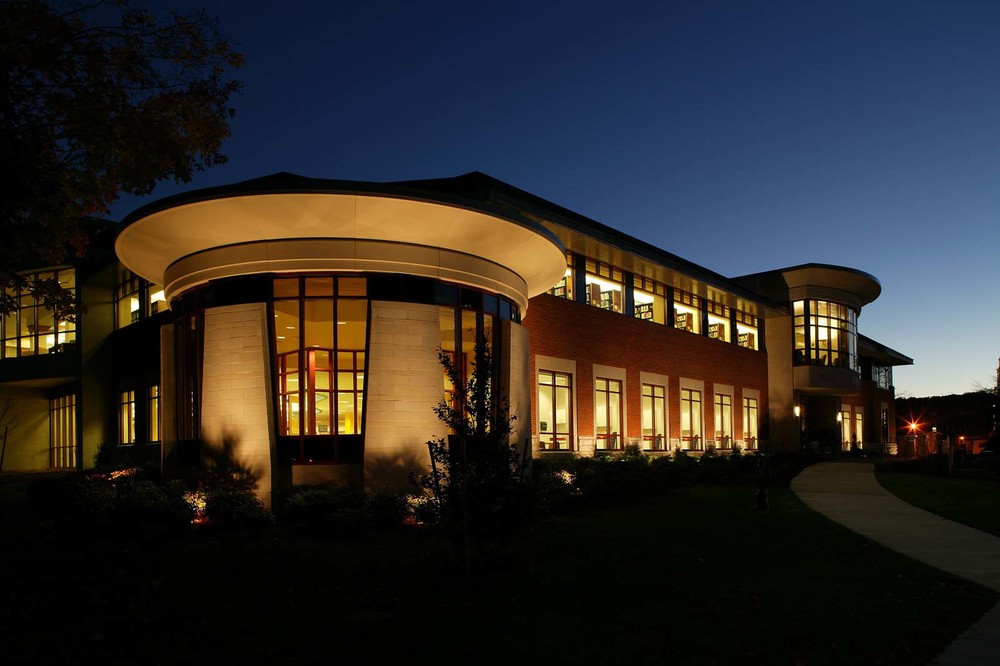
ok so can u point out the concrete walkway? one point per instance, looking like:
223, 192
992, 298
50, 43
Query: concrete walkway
849, 494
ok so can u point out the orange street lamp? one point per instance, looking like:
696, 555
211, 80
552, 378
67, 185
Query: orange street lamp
914, 427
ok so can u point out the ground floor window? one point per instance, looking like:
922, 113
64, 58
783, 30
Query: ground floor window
654, 417
723, 420
62, 432
859, 429
126, 417
555, 411
691, 419
153, 415
608, 413
845, 427
751, 422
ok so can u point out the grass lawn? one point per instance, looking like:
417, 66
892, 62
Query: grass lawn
969, 501
696, 576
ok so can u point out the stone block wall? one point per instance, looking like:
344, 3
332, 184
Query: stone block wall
236, 402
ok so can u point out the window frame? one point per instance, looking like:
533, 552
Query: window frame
694, 441
722, 408
63, 432
308, 445
751, 414
28, 307
658, 439
613, 392
811, 319
126, 418
568, 390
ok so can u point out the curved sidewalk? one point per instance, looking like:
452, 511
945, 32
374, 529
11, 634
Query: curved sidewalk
848, 493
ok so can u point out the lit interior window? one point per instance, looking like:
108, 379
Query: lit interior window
687, 314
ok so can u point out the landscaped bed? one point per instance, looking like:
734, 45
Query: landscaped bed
695, 575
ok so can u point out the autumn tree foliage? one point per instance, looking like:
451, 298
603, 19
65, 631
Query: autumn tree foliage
98, 99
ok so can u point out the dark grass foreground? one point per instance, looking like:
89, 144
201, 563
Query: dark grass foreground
695, 576
972, 502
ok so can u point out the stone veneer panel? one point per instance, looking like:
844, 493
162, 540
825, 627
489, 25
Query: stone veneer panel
405, 383
235, 395
520, 384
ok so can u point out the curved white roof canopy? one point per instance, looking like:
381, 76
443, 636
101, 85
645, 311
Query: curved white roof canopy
184, 245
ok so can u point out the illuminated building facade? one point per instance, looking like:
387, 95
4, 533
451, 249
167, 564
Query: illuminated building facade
300, 320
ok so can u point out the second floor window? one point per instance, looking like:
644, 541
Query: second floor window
605, 288
687, 312
826, 333
136, 298
31, 328
564, 288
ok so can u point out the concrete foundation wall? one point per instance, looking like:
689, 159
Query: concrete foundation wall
236, 406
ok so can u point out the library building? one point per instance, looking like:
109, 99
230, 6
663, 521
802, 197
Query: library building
300, 323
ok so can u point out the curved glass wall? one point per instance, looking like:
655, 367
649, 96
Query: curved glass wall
320, 332
826, 333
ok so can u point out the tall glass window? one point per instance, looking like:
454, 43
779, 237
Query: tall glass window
691, 423
723, 420
555, 411
826, 333
654, 417
62, 432
31, 328
460, 328
608, 414
751, 422
321, 334
189, 341
605, 289
153, 415
687, 312
845, 427
126, 418
564, 288
859, 429
650, 300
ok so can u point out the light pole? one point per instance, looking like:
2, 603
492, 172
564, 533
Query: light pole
914, 428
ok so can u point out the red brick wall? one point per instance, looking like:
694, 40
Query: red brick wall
565, 329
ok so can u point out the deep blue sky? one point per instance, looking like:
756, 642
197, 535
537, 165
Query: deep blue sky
743, 136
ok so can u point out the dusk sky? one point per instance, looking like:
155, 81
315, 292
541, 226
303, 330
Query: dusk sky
743, 136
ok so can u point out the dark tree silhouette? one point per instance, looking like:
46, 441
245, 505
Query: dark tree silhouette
99, 99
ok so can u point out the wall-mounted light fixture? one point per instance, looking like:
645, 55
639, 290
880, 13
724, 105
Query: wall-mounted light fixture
798, 411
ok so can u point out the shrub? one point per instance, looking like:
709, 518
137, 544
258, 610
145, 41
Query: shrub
326, 509
142, 504
236, 509
386, 510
